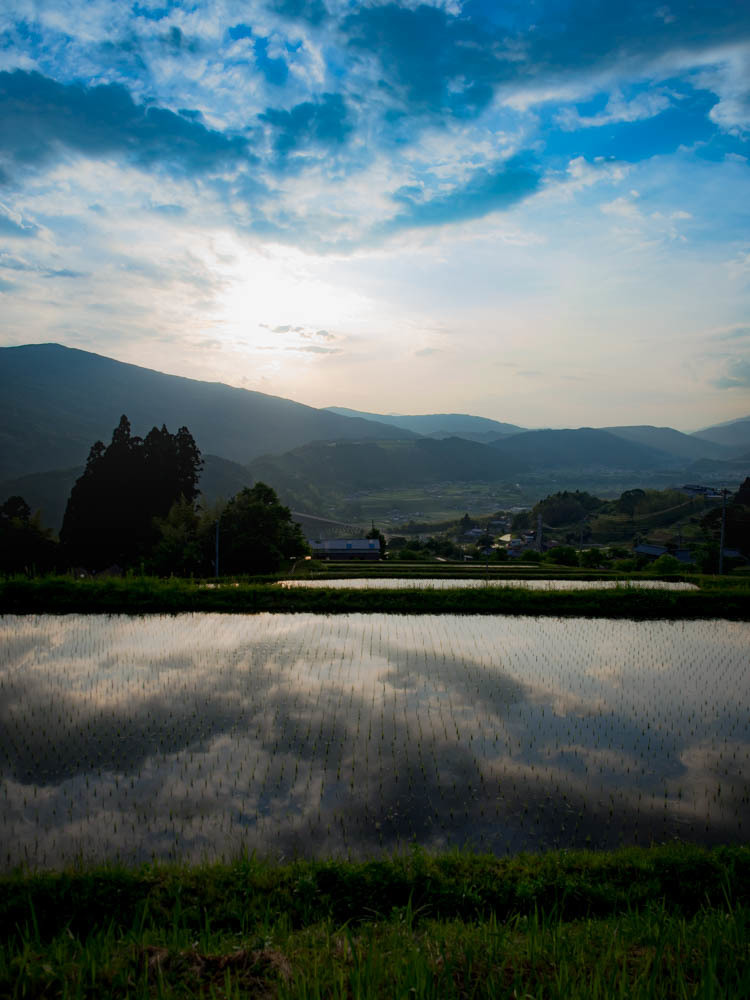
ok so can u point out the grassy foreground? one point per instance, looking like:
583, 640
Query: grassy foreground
717, 598
668, 921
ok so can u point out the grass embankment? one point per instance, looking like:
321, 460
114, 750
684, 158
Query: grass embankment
668, 921
144, 595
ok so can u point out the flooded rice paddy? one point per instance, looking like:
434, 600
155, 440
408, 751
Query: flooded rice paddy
198, 736
442, 583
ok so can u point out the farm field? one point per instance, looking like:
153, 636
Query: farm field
716, 597
443, 583
201, 736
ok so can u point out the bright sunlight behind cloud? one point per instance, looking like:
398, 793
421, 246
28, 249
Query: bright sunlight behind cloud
457, 194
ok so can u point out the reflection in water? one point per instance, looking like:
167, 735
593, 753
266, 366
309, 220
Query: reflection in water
199, 735
449, 583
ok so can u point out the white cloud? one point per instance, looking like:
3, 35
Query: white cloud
739, 267
618, 110
623, 207
730, 80
591, 273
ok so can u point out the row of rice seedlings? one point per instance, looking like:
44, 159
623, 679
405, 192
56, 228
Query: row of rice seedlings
448, 583
199, 734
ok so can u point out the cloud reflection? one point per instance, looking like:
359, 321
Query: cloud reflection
199, 735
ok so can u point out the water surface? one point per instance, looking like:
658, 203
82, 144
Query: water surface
196, 736
443, 583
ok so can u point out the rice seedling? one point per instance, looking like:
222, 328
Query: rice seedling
199, 736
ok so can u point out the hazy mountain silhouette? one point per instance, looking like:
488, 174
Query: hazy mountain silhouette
56, 401
308, 473
438, 424
733, 434
666, 439
584, 448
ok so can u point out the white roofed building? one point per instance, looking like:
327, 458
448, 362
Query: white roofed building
345, 548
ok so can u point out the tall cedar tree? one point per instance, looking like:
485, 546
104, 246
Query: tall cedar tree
110, 515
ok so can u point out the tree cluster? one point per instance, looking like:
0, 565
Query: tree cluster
25, 546
736, 524
253, 533
257, 532
135, 506
565, 508
109, 518
410, 549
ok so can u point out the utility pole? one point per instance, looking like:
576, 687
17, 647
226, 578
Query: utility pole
723, 529
216, 557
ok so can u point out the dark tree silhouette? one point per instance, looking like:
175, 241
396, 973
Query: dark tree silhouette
629, 501
25, 547
257, 532
125, 485
736, 524
15, 507
375, 533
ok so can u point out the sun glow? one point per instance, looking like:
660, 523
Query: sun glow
280, 298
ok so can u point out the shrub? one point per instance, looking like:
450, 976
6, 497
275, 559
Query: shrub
625, 565
667, 564
590, 558
563, 555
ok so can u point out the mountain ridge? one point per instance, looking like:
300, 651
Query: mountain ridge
583, 447
56, 401
52, 409
733, 434
668, 439
449, 424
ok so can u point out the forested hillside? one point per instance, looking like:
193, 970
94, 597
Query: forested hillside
54, 401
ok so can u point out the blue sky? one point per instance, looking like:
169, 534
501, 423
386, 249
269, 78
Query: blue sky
537, 212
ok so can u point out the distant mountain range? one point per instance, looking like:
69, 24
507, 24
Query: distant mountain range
437, 424
724, 441
584, 448
689, 447
56, 401
313, 472
735, 434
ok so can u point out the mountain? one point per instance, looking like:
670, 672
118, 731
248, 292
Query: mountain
718, 472
222, 479
684, 446
483, 437
585, 448
436, 424
734, 434
55, 402
46, 492
309, 474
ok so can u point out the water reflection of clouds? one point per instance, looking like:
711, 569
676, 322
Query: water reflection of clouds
196, 735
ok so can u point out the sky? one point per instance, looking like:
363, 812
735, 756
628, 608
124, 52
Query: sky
533, 211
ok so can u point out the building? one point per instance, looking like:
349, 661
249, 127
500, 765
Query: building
654, 551
345, 548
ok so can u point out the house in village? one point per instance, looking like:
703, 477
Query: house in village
654, 551
345, 548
